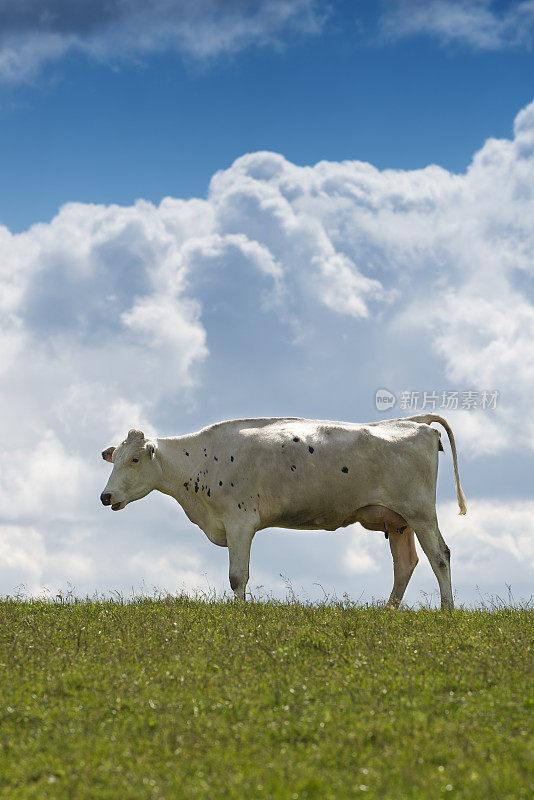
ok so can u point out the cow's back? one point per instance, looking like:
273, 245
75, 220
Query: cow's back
315, 474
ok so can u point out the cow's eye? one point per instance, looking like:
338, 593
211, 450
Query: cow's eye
135, 460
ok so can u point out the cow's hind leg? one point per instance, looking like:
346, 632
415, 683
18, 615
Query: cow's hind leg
239, 540
437, 552
405, 560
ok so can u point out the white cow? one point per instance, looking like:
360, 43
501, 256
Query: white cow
235, 478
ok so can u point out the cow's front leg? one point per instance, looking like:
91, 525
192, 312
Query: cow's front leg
239, 540
405, 560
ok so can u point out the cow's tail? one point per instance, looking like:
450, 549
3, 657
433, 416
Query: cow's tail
428, 418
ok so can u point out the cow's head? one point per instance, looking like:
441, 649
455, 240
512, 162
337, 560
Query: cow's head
136, 470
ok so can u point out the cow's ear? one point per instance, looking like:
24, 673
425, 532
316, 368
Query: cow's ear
107, 453
151, 448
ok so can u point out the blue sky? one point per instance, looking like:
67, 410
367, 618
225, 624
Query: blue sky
151, 126
348, 207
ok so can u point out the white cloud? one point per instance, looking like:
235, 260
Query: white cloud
492, 544
173, 569
272, 201
491, 548
203, 30
453, 252
88, 406
343, 288
21, 556
44, 477
38, 564
357, 559
480, 24
197, 29
287, 288
171, 325
22, 56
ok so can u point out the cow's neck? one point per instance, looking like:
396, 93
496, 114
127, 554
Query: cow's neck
181, 463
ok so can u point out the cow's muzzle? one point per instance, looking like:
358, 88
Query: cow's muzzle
105, 497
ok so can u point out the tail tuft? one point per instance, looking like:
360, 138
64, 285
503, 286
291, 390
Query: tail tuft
461, 501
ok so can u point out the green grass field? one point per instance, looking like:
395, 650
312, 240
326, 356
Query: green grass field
182, 698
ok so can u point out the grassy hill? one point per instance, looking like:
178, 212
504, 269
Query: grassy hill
181, 698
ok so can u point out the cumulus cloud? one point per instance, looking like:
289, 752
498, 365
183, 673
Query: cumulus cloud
32, 36
480, 24
32, 563
48, 477
450, 255
499, 531
287, 290
491, 549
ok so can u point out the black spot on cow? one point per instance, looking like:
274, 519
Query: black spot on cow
186, 486
310, 449
231, 458
196, 487
344, 469
220, 483
209, 492
296, 439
